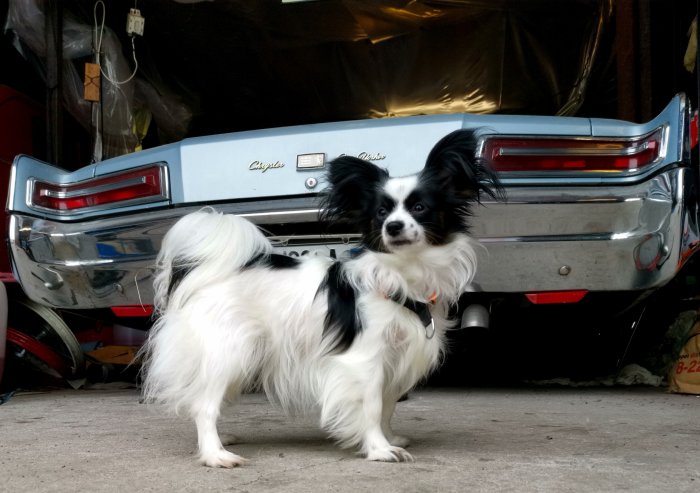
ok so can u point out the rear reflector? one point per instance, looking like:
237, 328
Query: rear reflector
598, 155
552, 297
139, 186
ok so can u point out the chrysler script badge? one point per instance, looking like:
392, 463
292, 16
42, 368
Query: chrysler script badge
261, 166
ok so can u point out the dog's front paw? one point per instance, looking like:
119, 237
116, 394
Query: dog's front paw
390, 454
222, 458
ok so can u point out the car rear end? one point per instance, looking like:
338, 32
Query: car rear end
596, 210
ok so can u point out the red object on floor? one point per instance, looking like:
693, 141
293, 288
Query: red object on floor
39, 350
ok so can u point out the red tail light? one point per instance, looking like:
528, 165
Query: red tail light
132, 187
598, 155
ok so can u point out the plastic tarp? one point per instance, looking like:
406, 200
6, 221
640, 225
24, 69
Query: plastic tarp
241, 65
113, 119
274, 62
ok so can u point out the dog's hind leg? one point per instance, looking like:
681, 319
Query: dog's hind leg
205, 412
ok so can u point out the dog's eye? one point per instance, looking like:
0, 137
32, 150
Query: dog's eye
418, 207
382, 213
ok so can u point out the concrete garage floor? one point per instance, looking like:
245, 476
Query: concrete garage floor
486, 439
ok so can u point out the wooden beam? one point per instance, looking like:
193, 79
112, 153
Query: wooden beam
53, 35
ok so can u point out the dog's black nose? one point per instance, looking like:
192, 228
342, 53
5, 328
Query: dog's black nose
394, 228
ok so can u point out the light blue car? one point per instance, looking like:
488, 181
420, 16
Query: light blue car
597, 210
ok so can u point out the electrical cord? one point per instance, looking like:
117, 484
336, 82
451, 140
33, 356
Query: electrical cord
98, 45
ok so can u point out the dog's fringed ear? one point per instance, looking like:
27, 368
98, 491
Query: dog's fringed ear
352, 183
453, 163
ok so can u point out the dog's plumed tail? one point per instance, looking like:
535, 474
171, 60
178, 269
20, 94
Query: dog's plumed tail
193, 252
202, 249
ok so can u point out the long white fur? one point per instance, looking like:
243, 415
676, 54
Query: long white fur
224, 330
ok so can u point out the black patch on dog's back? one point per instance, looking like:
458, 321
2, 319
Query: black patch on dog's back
341, 323
273, 261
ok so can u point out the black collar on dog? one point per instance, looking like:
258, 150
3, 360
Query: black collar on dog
422, 310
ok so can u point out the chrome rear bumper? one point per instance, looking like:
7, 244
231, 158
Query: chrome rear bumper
603, 238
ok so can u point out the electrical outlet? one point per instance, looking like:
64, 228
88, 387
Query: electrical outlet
134, 22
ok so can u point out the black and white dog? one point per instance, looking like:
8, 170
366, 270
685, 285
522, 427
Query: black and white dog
346, 338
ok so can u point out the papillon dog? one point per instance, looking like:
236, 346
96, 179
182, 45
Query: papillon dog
342, 338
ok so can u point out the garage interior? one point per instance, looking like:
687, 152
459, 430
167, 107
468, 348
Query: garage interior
210, 67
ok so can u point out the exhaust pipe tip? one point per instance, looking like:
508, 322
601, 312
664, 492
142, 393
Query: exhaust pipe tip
475, 317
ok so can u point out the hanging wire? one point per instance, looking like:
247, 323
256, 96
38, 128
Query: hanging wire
99, 32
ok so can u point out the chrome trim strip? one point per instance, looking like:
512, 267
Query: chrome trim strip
267, 217
319, 239
562, 238
572, 151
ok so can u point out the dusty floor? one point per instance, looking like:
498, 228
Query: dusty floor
553, 439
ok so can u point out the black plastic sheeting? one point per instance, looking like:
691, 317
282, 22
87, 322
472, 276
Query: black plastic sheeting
242, 64
268, 63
